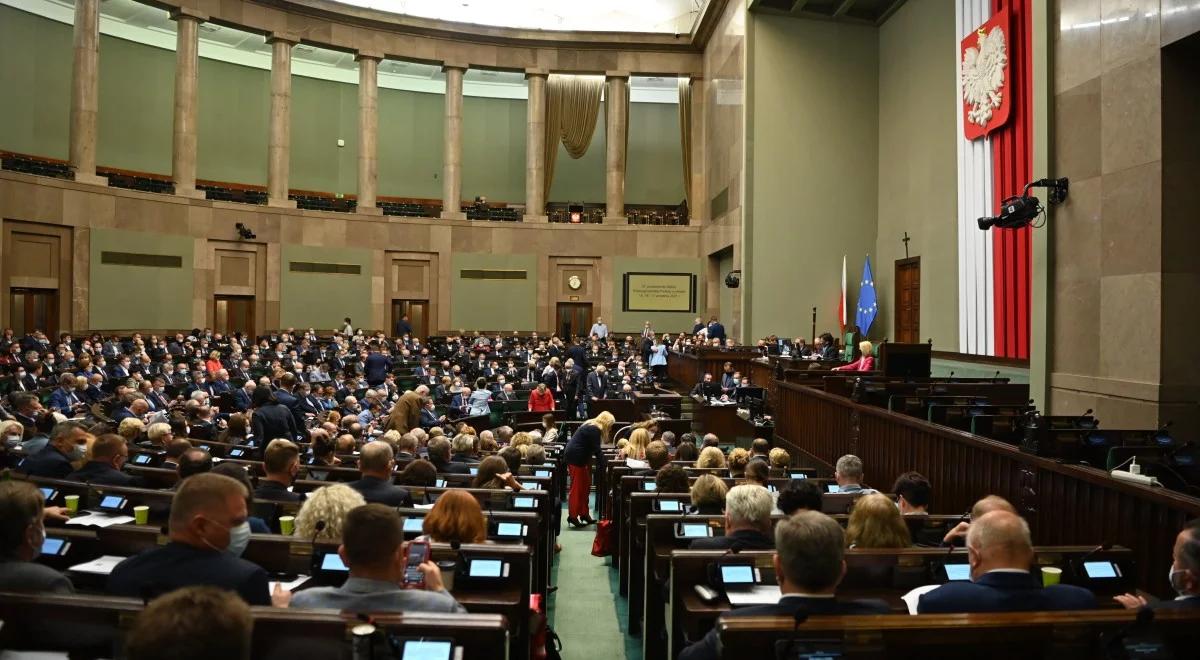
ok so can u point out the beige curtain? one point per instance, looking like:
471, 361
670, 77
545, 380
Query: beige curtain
572, 104
685, 136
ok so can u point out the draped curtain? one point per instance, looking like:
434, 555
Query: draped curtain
572, 105
685, 136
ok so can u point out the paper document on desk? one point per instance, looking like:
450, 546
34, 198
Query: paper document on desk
100, 566
98, 519
290, 585
762, 594
910, 599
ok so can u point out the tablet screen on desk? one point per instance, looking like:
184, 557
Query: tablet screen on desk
799, 475
112, 502
485, 568
523, 503
737, 574
1101, 569
53, 546
142, 459
670, 505
237, 453
474, 471
649, 485
440, 483
414, 524
696, 530
427, 650
510, 529
48, 493
332, 562
541, 473
958, 572
833, 488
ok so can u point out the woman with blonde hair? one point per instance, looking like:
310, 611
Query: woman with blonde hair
584, 446
779, 458
738, 459
711, 457
636, 448
875, 522
865, 362
456, 517
131, 429
329, 504
708, 495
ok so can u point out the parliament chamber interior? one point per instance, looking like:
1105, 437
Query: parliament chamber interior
318, 316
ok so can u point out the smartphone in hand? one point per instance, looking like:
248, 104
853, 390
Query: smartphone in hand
418, 553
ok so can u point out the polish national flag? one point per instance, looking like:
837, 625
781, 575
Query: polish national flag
842, 300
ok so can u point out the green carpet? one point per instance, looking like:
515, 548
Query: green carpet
586, 611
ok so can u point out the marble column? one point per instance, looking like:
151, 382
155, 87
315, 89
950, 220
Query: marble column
616, 96
85, 91
698, 195
279, 141
187, 48
368, 131
535, 146
452, 144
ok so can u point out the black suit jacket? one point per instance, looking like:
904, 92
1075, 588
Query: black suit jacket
1004, 592
597, 385
709, 648
49, 462
176, 565
452, 467
748, 539
275, 492
376, 490
95, 472
272, 422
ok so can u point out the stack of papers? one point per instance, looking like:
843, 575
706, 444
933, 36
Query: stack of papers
100, 566
290, 585
99, 519
910, 599
762, 594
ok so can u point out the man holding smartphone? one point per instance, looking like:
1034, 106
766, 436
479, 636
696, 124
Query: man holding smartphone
381, 577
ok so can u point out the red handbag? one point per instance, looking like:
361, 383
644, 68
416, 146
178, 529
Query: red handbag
605, 536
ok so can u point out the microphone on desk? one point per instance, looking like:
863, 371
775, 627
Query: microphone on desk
312, 542
1100, 548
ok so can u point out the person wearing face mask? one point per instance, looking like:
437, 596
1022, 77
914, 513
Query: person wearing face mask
68, 444
1184, 575
281, 462
12, 433
1000, 554
208, 531
109, 455
23, 382
22, 534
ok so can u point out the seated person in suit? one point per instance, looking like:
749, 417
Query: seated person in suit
429, 417
708, 495
376, 464
760, 450
865, 362
281, 463
799, 495
132, 406
68, 444
169, 623
809, 564
706, 389
1000, 553
439, 455
244, 395
849, 475
208, 531
373, 549
1184, 576
109, 455
65, 399
747, 521
464, 448
22, 533
958, 534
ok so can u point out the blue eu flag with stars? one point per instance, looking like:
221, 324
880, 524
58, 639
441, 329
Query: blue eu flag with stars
867, 307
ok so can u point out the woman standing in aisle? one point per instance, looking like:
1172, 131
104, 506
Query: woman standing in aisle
581, 449
658, 360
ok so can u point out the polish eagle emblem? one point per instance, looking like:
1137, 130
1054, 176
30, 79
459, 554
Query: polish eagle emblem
985, 79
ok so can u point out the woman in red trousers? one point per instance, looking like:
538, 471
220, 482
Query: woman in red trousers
581, 449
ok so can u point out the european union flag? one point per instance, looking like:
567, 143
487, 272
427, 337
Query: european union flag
867, 308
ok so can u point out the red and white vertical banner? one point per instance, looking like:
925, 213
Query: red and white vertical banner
842, 301
994, 162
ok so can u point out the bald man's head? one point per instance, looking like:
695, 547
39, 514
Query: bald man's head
989, 504
999, 540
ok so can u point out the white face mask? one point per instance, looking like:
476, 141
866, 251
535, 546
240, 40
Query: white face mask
239, 538
78, 451
11, 441
1177, 583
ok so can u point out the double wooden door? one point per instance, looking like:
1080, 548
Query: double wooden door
908, 301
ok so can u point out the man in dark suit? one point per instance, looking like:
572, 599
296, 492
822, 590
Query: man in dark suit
376, 463
809, 564
64, 399
715, 330
243, 395
109, 455
439, 455
403, 327
1184, 576
706, 389
597, 383
21, 535
281, 463
209, 530
747, 521
68, 442
1000, 553
377, 367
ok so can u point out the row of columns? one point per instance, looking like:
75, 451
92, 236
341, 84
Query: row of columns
85, 105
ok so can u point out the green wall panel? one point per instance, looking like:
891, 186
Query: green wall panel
672, 322
494, 149
322, 300
323, 112
137, 97
411, 125
35, 106
493, 304
813, 111
232, 123
654, 164
118, 295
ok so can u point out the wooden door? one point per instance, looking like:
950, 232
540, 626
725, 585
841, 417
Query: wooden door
908, 301
573, 319
233, 314
418, 316
33, 309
